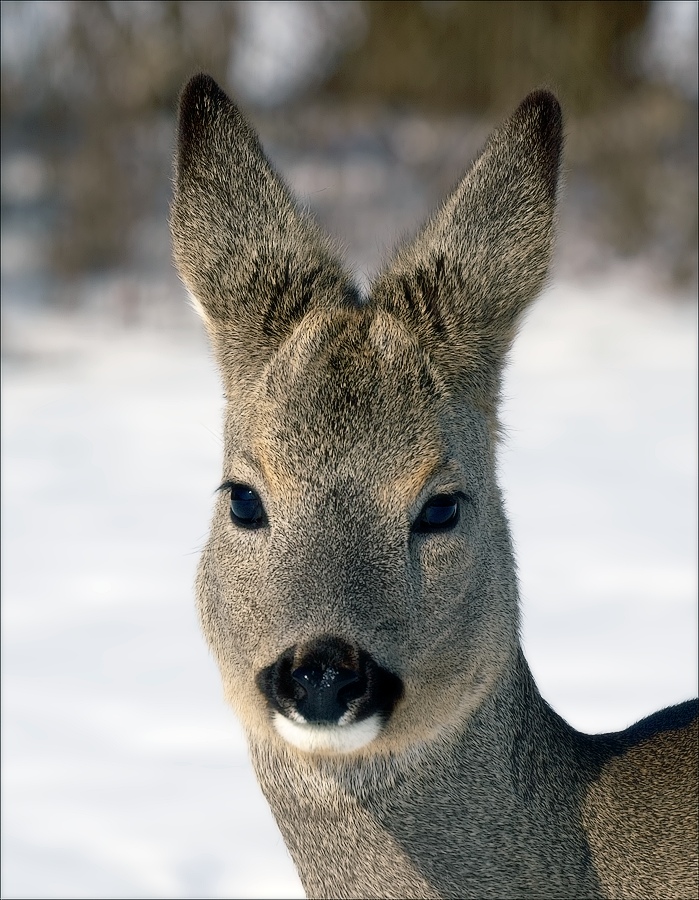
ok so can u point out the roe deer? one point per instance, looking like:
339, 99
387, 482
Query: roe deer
358, 588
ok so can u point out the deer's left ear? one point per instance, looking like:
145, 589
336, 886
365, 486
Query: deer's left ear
464, 282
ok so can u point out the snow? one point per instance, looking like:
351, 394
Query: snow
124, 773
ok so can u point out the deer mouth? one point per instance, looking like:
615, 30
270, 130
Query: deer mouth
340, 738
329, 696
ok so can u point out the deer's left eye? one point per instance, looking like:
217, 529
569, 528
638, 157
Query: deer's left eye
440, 513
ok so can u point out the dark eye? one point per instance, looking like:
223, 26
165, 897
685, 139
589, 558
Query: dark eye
246, 507
440, 513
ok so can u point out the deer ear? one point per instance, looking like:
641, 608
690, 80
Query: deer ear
252, 262
466, 279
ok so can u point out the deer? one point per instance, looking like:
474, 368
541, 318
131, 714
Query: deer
358, 588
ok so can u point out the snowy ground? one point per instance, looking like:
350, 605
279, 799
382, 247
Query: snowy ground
124, 775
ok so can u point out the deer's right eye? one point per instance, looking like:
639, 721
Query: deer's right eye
441, 513
247, 510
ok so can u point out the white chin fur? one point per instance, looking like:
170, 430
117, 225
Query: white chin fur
328, 738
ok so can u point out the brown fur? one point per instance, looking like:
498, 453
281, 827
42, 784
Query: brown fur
346, 414
647, 785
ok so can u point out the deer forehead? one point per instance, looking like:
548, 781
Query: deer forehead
350, 397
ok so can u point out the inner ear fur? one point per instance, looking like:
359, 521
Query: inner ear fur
252, 261
464, 282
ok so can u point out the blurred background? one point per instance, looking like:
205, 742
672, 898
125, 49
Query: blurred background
124, 775
375, 100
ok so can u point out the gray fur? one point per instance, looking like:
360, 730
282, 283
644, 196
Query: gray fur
346, 414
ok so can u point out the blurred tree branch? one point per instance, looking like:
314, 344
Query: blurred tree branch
482, 55
105, 81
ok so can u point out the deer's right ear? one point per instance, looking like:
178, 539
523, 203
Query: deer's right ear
252, 262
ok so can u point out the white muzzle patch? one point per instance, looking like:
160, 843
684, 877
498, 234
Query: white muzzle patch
328, 738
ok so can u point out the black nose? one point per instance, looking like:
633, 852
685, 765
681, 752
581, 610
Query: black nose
328, 691
329, 681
